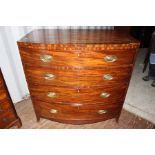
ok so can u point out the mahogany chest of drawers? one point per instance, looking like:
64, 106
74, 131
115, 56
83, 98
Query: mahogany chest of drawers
78, 76
8, 115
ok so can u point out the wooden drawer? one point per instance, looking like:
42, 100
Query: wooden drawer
1, 83
77, 59
76, 95
7, 118
3, 94
8, 115
5, 105
81, 77
67, 112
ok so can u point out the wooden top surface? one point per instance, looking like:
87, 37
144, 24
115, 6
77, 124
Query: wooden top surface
77, 36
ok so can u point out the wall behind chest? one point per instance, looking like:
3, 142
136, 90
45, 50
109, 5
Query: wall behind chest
10, 61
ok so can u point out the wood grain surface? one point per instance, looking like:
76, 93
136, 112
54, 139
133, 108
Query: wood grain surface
71, 65
8, 115
127, 120
77, 115
78, 95
74, 59
77, 36
78, 77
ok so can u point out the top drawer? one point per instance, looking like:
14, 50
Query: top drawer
77, 59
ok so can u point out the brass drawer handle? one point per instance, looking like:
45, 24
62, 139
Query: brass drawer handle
110, 58
46, 58
107, 77
49, 76
53, 111
102, 111
105, 95
51, 94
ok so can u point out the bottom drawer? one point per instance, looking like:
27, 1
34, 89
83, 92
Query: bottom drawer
76, 112
6, 118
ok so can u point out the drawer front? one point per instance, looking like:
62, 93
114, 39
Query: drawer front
77, 59
57, 111
67, 95
1, 83
101, 77
5, 105
6, 118
47, 76
3, 94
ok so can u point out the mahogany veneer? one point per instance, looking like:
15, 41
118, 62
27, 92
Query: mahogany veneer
78, 76
8, 115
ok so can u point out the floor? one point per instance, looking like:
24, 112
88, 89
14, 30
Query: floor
140, 98
138, 110
127, 120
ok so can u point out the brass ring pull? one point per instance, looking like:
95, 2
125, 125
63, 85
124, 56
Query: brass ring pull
107, 77
53, 111
105, 95
110, 58
49, 76
46, 58
102, 111
51, 94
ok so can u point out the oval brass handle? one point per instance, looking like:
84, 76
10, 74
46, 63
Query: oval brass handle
46, 58
49, 76
102, 111
105, 95
53, 111
110, 58
107, 77
51, 94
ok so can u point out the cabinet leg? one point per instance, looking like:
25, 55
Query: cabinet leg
117, 119
38, 118
118, 116
19, 123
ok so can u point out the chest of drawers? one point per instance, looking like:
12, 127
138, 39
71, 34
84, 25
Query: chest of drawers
8, 115
78, 76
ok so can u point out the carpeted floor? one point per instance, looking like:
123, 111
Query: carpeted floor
127, 120
140, 98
